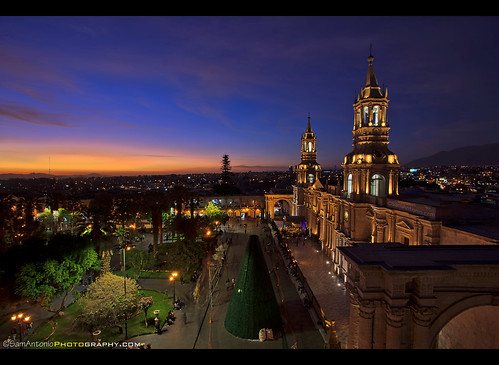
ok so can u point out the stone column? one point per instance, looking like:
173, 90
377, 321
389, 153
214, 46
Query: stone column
379, 330
366, 316
394, 325
353, 326
421, 318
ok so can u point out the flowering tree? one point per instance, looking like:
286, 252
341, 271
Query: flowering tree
106, 303
145, 303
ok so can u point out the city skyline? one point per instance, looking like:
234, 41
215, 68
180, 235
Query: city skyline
172, 94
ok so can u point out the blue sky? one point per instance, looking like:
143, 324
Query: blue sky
167, 94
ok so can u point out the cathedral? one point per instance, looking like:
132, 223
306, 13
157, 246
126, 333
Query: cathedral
368, 207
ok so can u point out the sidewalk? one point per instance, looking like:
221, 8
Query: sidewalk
204, 328
205, 323
328, 288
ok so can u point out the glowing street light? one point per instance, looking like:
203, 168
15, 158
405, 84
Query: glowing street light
20, 318
172, 278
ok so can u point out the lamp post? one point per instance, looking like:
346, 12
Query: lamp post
19, 319
125, 247
172, 278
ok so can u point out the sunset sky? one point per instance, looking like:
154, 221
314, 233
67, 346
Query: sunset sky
172, 94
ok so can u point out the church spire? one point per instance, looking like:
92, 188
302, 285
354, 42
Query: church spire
308, 171
371, 168
309, 128
371, 88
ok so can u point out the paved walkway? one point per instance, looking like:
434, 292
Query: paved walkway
204, 325
328, 289
205, 322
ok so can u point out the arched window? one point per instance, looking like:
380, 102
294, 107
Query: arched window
310, 147
349, 184
378, 185
375, 115
310, 178
366, 115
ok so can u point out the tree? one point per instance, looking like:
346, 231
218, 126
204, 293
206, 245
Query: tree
106, 305
6, 215
226, 186
99, 214
73, 206
179, 195
125, 210
139, 260
216, 214
145, 303
226, 175
155, 202
56, 270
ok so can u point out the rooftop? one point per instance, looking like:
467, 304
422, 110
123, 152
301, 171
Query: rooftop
395, 256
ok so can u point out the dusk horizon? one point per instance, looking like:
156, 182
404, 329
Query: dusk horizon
173, 94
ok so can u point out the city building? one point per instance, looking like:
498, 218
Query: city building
421, 268
368, 207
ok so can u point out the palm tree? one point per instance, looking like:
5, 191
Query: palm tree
99, 215
156, 202
179, 194
52, 202
75, 209
125, 209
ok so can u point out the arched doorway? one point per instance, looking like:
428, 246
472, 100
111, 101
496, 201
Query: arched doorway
281, 208
474, 328
278, 204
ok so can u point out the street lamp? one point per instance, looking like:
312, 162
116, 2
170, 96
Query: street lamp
20, 318
125, 247
172, 278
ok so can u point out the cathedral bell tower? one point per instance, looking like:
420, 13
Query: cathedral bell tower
371, 168
308, 171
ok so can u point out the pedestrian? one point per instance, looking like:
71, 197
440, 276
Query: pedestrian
13, 332
28, 328
156, 324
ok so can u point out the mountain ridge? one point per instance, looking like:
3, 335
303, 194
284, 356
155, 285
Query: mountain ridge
475, 155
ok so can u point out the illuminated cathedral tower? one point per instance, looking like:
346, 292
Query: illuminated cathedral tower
308, 171
371, 168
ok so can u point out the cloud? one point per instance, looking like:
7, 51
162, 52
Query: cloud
32, 115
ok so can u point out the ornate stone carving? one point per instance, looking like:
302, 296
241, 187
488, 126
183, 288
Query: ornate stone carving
421, 315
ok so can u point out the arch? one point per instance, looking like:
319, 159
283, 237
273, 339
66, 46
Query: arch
366, 116
272, 199
420, 309
375, 115
450, 313
349, 184
378, 185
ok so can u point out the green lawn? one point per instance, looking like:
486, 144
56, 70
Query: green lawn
136, 326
